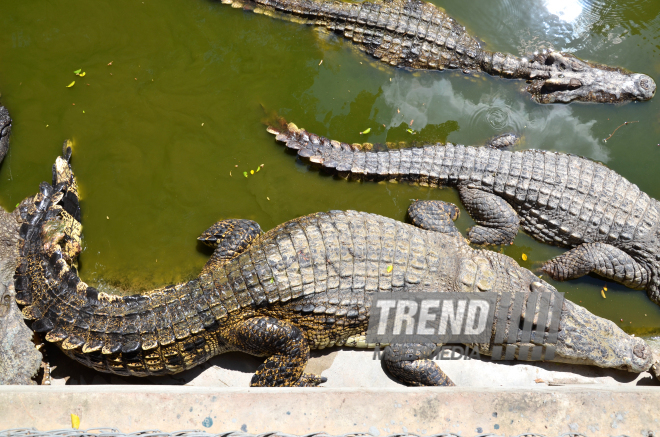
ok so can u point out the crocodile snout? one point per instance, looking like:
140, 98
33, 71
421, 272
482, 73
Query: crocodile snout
645, 87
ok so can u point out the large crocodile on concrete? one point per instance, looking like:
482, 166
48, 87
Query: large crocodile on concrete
304, 285
19, 359
557, 198
416, 34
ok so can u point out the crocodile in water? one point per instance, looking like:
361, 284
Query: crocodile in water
557, 198
419, 35
304, 285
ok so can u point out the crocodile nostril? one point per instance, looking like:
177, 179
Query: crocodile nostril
639, 351
646, 86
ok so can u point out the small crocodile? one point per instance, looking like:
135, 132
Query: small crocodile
557, 198
418, 35
19, 359
306, 284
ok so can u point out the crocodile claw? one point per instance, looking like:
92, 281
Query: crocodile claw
310, 380
562, 78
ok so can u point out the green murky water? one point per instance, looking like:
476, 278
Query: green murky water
163, 134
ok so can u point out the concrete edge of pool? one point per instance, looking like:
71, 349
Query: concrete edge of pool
467, 411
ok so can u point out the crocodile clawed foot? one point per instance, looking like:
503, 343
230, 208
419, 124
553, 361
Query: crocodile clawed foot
310, 380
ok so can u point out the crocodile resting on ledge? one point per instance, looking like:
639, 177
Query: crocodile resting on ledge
561, 199
304, 285
419, 35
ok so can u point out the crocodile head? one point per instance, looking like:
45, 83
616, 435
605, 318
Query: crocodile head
562, 78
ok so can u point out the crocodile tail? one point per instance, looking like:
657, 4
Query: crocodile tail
429, 165
163, 331
46, 279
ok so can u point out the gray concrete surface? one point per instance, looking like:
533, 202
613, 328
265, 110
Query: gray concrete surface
466, 411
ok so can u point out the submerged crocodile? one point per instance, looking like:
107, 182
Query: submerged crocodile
416, 34
561, 199
305, 284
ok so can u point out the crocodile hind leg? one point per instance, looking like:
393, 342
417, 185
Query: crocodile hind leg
410, 364
434, 215
497, 221
602, 259
285, 346
229, 238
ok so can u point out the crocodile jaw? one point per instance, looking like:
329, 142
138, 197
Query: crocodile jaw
566, 78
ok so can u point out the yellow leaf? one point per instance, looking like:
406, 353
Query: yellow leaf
602, 293
251, 171
524, 257
389, 268
71, 84
82, 74
75, 421
605, 288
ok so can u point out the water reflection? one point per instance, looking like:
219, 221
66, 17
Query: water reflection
435, 102
567, 10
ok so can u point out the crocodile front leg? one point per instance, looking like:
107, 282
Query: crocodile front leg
602, 259
229, 238
285, 346
434, 215
497, 221
410, 364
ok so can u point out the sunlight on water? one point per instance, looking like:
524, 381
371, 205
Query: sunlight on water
567, 10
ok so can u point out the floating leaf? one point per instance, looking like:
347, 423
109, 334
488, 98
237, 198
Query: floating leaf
258, 168
77, 71
75, 421
251, 171
605, 288
389, 268
366, 131
83, 111
17, 205
82, 74
602, 293
245, 173
524, 257
71, 84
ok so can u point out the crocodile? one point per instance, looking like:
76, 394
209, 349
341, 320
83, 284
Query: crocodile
19, 359
418, 35
306, 284
610, 225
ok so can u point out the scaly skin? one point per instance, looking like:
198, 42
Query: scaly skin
557, 198
5, 131
419, 35
304, 285
19, 359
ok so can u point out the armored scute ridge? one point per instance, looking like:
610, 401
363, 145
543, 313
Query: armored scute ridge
557, 198
419, 35
306, 284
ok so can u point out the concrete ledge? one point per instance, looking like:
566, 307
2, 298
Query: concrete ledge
470, 411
